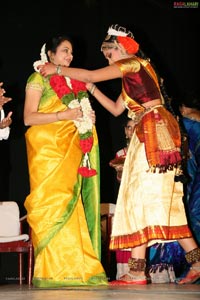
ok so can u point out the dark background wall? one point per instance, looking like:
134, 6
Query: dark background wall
167, 34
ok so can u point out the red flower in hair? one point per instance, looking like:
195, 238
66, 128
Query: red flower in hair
129, 44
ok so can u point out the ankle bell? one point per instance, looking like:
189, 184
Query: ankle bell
137, 264
193, 256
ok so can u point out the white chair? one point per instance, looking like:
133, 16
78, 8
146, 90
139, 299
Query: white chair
13, 238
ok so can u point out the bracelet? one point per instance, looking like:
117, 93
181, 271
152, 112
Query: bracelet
57, 116
58, 70
92, 89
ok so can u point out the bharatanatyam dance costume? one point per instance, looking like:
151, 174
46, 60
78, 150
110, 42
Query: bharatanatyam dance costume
149, 206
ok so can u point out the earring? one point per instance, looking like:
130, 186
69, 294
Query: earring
51, 59
183, 112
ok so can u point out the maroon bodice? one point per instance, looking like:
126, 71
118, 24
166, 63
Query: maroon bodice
140, 86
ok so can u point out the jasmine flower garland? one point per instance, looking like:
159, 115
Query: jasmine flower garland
73, 93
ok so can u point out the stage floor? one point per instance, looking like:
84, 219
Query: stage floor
137, 292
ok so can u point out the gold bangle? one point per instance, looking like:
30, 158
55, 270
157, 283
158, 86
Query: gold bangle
57, 116
58, 70
92, 89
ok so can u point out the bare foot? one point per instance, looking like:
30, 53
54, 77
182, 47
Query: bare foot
131, 278
192, 276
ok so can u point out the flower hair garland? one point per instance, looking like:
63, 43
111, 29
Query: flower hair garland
43, 59
73, 93
117, 30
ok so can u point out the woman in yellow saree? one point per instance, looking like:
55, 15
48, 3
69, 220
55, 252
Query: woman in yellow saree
64, 200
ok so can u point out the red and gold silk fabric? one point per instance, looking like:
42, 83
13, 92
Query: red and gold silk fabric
149, 207
156, 127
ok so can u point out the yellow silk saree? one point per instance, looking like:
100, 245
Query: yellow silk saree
62, 207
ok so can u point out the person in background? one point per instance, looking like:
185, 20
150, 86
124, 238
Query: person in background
5, 122
149, 207
63, 207
189, 107
117, 163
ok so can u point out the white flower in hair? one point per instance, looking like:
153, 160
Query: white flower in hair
43, 59
117, 30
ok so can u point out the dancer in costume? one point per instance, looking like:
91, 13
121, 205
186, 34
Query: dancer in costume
149, 206
63, 207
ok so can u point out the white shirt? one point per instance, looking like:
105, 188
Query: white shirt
4, 132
